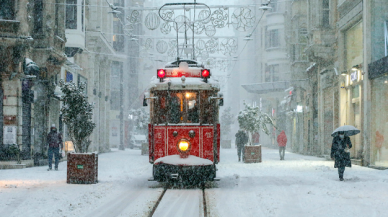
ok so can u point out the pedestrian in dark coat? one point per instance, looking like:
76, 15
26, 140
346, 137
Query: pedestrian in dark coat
340, 154
282, 142
241, 140
54, 140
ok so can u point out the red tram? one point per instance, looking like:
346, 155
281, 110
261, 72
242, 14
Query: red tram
184, 129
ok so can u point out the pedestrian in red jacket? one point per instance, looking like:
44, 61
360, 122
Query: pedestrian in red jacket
282, 142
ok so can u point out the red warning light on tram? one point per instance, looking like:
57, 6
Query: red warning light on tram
161, 73
205, 73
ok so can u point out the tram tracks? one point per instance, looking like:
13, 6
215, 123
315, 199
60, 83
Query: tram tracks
180, 202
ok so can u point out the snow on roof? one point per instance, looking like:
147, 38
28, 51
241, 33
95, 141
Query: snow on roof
189, 62
191, 160
190, 83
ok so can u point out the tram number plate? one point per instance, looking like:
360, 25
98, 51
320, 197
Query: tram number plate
80, 166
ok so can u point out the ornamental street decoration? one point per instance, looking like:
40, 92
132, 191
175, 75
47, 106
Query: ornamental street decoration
161, 46
148, 44
219, 18
212, 46
182, 23
228, 46
165, 28
152, 21
242, 19
213, 28
225, 46
134, 17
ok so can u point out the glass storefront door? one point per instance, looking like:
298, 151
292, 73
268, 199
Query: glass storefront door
379, 122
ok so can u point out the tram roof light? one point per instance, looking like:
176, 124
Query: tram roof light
205, 73
161, 73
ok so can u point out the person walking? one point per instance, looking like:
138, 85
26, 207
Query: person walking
340, 153
282, 142
241, 140
54, 140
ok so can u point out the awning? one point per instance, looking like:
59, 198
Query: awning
266, 87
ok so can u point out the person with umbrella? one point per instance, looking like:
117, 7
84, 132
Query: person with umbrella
340, 148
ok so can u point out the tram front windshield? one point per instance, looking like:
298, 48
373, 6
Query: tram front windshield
182, 107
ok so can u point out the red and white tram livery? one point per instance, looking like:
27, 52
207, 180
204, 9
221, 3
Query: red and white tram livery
184, 131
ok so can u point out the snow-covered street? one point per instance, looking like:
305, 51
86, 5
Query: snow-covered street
298, 186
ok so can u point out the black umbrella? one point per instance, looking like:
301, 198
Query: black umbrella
349, 130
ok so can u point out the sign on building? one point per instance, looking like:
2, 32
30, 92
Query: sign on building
69, 76
353, 76
9, 137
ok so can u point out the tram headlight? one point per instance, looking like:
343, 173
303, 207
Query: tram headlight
183, 145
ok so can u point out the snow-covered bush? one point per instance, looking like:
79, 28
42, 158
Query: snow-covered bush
251, 119
227, 120
77, 115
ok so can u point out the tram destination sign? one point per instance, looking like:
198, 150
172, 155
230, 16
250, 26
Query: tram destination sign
193, 73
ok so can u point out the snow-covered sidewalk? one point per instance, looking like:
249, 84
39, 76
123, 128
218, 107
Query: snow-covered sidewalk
298, 186
122, 190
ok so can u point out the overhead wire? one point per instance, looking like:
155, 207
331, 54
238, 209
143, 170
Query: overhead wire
262, 15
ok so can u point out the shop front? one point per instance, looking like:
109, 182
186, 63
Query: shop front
351, 86
378, 73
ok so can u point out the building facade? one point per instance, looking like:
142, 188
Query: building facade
32, 52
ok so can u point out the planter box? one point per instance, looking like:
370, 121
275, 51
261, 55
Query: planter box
252, 154
226, 143
144, 149
82, 168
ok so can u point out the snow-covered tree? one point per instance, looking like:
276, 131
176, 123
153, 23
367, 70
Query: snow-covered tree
227, 120
77, 115
251, 119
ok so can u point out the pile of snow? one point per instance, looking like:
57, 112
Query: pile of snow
189, 161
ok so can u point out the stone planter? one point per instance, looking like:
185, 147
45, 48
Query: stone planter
82, 168
252, 154
144, 148
226, 144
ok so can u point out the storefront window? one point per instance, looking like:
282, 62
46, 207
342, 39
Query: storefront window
354, 46
356, 91
379, 128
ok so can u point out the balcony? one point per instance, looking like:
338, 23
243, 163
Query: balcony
75, 38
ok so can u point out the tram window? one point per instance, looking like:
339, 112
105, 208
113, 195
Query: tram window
175, 115
179, 107
160, 109
184, 107
207, 111
192, 107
